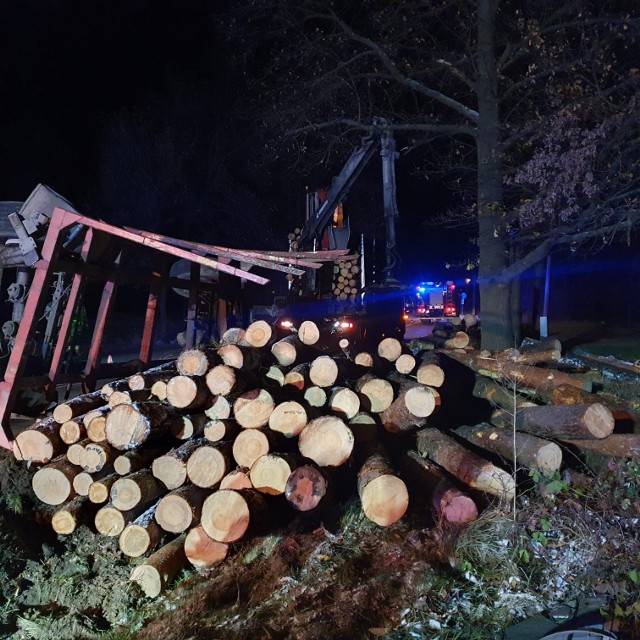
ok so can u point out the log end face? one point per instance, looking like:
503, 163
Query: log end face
202, 551
457, 508
599, 420
148, 579
385, 500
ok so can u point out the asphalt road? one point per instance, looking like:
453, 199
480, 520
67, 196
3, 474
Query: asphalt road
417, 329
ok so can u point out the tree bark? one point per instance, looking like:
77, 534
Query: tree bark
497, 333
521, 449
472, 470
146, 379
576, 421
77, 406
537, 379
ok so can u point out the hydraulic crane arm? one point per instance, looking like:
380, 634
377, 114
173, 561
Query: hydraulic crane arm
340, 187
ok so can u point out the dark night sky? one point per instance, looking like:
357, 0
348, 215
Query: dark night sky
68, 68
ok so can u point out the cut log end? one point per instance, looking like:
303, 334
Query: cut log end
456, 507
385, 500
202, 551
327, 441
305, 488
599, 420
308, 332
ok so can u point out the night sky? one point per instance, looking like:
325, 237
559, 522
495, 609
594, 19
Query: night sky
128, 109
74, 74
67, 68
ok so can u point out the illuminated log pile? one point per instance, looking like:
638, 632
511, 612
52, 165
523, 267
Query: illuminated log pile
183, 461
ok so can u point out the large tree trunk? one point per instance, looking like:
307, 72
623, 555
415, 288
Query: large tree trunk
576, 421
521, 449
497, 333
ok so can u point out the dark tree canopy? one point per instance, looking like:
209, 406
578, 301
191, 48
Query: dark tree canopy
527, 109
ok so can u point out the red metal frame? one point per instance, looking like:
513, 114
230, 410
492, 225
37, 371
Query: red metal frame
51, 261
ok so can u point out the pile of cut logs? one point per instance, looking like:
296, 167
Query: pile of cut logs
346, 279
197, 450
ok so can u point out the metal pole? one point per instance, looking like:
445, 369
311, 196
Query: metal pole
544, 333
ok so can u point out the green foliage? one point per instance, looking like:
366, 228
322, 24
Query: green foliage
549, 485
75, 594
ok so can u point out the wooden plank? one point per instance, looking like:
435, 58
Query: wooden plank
232, 254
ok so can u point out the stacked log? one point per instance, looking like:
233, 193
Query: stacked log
210, 454
346, 279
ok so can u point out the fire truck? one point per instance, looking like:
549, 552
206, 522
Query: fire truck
431, 300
